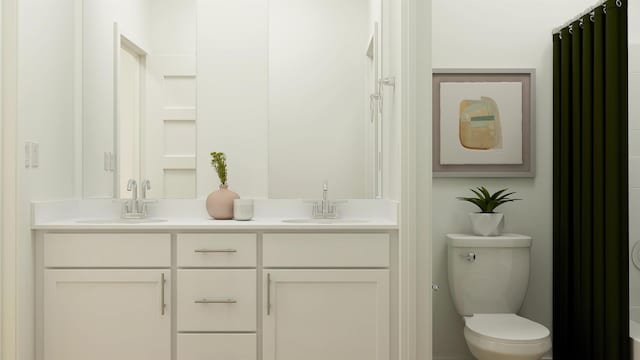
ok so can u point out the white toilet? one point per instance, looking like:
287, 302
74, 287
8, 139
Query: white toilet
488, 277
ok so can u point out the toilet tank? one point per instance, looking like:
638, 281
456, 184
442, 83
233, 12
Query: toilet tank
488, 274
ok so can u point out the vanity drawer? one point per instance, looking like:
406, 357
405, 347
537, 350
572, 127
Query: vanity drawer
217, 250
107, 250
326, 250
217, 346
216, 300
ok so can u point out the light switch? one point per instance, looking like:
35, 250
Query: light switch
112, 162
27, 154
35, 155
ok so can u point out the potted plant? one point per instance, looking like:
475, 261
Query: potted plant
487, 222
220, 202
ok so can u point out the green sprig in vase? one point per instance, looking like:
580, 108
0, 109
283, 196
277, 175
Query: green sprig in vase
220, 202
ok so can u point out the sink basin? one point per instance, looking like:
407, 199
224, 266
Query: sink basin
121, 221
324, 221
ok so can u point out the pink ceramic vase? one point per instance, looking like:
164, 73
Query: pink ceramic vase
220, 203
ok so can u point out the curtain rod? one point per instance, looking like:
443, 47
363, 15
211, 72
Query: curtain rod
587, 11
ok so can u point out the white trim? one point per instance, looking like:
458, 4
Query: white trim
78, 138
9, 179
122, 39
1, 172
115, 186
415, 181
416, 178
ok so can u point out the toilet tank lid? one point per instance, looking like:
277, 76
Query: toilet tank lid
502, 241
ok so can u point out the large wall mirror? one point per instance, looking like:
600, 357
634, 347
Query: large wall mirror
288, 89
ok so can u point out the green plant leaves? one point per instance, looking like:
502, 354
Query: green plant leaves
219, 162
486, 201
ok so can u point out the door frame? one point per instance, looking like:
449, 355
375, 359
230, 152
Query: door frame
8, 174
416, 181
120, 39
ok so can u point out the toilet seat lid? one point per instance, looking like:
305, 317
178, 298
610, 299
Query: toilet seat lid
506, 327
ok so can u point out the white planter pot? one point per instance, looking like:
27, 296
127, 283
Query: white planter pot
487, 224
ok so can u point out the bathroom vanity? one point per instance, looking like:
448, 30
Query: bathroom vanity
292, 92
196, 289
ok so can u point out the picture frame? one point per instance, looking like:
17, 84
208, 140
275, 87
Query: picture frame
484, 123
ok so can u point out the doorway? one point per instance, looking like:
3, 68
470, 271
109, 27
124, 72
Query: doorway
130, 110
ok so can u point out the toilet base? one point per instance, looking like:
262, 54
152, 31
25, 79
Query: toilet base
484, 348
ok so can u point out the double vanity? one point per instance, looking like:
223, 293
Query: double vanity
181, 286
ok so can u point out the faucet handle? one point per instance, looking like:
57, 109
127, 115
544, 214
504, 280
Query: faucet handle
131, 184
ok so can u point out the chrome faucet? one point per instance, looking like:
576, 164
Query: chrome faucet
136, 208
325, 208
325, 202
146, 185
132, 204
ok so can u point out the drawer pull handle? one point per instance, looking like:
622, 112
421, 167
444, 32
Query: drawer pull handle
163, 305
205, 251
268, 293
218, 301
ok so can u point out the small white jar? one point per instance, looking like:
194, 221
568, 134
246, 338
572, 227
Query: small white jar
242, 209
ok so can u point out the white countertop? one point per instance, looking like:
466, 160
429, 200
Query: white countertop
185, 215
214, 225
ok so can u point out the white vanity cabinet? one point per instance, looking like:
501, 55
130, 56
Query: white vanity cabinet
326, 297
262, 295
119, 308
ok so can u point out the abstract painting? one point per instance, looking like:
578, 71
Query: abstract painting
480, 124
483, 123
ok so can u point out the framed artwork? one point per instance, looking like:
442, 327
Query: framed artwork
483, 123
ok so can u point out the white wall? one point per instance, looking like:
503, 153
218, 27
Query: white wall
392, 33
46, 66
233, 94
317, 62
499, 34
98, 81
634, 21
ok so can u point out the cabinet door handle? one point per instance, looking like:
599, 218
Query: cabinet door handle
163, 306
206, 251
216, 301
268, 294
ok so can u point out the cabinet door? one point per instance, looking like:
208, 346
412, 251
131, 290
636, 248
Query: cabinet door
326, 314
107, 315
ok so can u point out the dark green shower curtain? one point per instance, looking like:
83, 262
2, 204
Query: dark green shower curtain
591, 197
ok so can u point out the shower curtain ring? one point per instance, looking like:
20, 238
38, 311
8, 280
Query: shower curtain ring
604, 8
619, 3
571, 29
592, 16
581, 23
